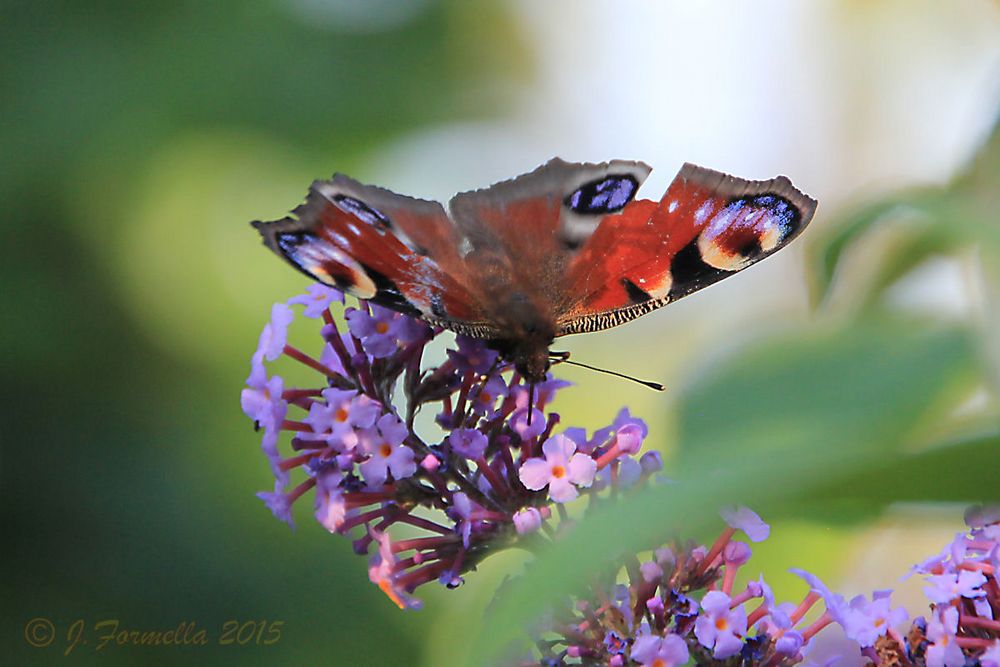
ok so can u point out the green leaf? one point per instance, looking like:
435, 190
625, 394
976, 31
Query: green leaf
962, 212
828, 247
962, 471
769, 423
981, 177
904, 255
938, 222
818, 390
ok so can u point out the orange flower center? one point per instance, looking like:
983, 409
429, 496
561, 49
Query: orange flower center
558, 471
721, 623
381, 327
485, 397
659, 662
341, 415
385, 450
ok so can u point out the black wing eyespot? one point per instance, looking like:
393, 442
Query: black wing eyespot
605, 195
361, 210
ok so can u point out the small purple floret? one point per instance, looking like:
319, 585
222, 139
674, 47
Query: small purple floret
468, 442
745, 519
317, 299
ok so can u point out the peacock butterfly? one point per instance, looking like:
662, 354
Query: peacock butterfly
563, 249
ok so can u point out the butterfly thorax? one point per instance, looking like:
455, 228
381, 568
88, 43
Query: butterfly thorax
528, 333
530, 355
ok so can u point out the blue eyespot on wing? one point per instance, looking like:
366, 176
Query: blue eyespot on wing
606, 195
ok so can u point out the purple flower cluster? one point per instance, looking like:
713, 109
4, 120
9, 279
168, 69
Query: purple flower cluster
962, 586
494, 469
681, 604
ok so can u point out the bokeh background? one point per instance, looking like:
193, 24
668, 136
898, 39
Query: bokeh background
137, 140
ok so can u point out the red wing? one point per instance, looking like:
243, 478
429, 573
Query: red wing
392, 250
707, 226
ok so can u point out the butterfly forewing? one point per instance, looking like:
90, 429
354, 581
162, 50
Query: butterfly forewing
707, 226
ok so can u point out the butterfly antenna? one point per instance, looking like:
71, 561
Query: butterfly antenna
563, 358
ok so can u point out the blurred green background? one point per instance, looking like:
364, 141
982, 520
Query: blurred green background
139, 138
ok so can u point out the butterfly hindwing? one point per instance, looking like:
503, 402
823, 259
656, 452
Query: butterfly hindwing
707, 226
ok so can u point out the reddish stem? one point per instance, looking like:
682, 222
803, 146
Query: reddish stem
293, 394
551, 424
512, 473
364, 517
974, 566
297, 492
421, 543
292, 425
364, 371
729, 578
977, 622
757, 614
304, 358
741, 598
361, 498
298, 444
412, 579
974, 642
296, 461
608, 456
492, 476
463, 395
720, 544
337, 343
811, 598
820, 623
426, 524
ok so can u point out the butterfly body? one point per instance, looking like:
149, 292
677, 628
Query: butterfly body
564, 249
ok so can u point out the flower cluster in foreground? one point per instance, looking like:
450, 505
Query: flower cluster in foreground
680, 605
498, 467
964, 590
499, 470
